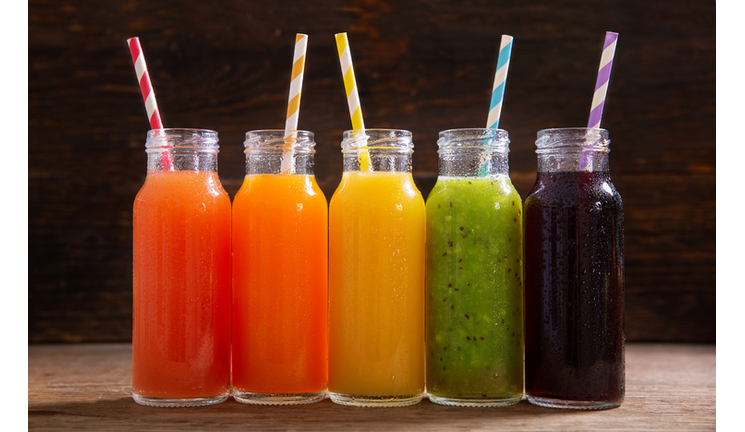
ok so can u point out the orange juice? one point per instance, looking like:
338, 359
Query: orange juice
181, 320
280, 289
376, 290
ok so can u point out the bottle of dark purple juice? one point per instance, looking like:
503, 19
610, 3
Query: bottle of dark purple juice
574, 277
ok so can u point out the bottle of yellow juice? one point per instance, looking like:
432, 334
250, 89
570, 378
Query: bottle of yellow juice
376, 274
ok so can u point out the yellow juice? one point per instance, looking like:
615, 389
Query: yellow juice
376, 286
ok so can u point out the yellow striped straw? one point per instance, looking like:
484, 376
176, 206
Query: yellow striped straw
353, 98
293, 104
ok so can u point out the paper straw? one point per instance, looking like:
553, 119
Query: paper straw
601, 85
598, 99
143, 77
148, 94
497, 94
293, 103
353, 97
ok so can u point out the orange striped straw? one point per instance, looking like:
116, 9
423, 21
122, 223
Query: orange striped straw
293, 104
353, 97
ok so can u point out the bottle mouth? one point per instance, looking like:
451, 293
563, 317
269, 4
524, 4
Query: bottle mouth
474, 138
182, 138
377, 139
572, 139
275, 139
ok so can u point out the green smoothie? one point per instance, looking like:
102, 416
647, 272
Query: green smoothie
474, 271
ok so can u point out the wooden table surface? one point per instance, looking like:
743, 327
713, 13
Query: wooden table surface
86, 387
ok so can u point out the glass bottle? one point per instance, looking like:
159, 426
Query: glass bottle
574, 302
280, 274
181, 274
474, 313
376, 274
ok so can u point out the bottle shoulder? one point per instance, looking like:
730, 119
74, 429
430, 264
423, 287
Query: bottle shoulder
267, 189
486, 188
376, 187
179, 190
572, 188
183, 182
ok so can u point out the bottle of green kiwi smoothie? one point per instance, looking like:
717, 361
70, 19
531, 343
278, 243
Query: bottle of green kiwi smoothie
474, 274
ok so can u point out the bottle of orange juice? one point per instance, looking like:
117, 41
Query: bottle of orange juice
376, 274
181, 274
280, 274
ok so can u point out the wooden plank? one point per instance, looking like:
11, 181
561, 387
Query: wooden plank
85, 387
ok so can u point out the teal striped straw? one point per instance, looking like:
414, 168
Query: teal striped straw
497, 95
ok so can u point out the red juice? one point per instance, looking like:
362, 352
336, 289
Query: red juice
181, 274
574, 338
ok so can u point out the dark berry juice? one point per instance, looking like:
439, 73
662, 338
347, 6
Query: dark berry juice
574, 338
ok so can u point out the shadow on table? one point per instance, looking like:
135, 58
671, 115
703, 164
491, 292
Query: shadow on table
324, 415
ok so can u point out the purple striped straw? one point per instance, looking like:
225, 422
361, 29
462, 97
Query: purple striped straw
601, 89
601, 85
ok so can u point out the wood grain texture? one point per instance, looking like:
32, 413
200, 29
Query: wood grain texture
421, 65
86, 387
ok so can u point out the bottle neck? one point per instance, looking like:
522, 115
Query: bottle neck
474, 152
181, 150
377, 150
573, 150
270, 152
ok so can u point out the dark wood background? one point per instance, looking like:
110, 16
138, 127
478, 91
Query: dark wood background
421, 65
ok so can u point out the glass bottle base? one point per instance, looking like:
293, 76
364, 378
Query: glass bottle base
570, 404
279, 398
178, 403
375, 401
474, 402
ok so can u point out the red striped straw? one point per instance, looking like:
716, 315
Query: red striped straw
148, 95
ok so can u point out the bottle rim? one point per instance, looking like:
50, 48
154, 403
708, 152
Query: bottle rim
182, 138
274, 139
474, 138
570, 129
377, 139
572, 139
